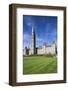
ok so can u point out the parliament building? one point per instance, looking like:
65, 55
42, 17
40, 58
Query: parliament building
43, 50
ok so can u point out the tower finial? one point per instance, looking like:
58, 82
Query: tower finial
33, 29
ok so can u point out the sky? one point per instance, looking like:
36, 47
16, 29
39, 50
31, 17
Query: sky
45, 29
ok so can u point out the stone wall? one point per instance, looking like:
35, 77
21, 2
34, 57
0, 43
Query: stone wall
44, 50
47, 50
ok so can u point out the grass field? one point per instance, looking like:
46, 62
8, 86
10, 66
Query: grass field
39, 64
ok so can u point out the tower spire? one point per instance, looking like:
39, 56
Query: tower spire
33, 29
33, 41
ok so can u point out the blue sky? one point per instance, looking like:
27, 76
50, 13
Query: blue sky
45, 29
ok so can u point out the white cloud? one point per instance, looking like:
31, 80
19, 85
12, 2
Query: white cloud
29, 24
26, 40
39, 42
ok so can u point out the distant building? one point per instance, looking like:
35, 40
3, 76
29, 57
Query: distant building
43, 50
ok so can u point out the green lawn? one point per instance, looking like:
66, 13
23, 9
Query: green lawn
39, 65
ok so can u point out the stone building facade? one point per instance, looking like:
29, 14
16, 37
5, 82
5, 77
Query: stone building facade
43, 50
